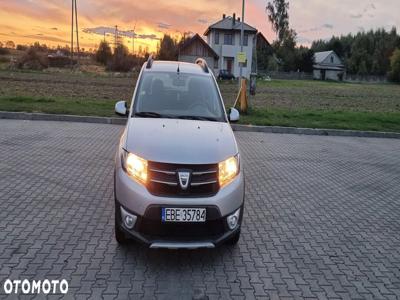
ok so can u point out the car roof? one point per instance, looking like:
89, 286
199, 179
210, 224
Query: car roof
172, 66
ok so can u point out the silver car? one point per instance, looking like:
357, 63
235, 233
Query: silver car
178, 176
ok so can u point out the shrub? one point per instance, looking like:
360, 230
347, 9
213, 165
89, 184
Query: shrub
33, 60
394, 74
121, 61
103, 54
4, 51
22, 47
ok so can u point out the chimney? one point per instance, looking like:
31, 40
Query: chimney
223, 16
234, 19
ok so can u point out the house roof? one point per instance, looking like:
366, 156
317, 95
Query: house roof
321, 56
227, 23
202, 41
262, 37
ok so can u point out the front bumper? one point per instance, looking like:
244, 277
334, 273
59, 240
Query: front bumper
150, 231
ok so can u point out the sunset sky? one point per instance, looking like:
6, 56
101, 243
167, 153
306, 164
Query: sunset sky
48, 21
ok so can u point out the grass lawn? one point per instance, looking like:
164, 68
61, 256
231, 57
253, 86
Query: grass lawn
295, 103
83, 107
370, 121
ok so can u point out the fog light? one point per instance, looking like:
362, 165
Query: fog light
128, 219
233, 219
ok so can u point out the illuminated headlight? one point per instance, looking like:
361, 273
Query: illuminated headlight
228, 169
134, 166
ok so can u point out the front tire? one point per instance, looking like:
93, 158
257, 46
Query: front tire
234, 239
119, 234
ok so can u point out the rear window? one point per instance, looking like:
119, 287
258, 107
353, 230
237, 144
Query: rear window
173, 94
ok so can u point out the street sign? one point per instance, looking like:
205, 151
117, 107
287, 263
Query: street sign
241, 57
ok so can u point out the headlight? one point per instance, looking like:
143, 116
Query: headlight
228, 169
134, 166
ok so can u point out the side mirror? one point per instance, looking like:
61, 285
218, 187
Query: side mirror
121, 108
233, 115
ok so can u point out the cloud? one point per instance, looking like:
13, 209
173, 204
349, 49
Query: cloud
303, 40
54, 28
148, 37
317, 28
202, 21
356, 16
163, 25
328, 26
105, 30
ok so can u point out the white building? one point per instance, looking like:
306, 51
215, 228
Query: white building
328, 66
224, 38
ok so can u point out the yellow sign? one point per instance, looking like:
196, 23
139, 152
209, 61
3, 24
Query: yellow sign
241, 57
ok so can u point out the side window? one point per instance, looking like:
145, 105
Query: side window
216, 38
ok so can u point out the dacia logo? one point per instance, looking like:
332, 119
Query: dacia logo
184, 178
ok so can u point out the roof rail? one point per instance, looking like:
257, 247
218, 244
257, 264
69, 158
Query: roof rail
202, 63
149, 61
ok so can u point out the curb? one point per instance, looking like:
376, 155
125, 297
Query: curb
235, 127
65, 118
316, 131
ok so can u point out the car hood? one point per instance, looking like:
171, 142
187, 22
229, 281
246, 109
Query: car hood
180, 141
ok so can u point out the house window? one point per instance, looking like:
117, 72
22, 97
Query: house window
228, 39
331, 59
215, 63
245, 39
216, 38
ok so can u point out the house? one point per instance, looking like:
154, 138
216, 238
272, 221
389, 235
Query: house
196, 47
328, 66
224, 38
264, 53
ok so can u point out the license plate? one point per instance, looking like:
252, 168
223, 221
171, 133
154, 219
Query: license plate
176, 214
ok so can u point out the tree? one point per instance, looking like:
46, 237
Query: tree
10, 44
394, 74
103, 53
167, 48
365, 53
304, 59
121, 61
278, 15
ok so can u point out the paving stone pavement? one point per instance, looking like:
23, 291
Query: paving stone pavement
322, 219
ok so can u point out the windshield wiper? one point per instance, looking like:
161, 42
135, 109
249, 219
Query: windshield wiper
148, 114
197, 118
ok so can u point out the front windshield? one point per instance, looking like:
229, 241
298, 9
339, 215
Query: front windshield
178, 95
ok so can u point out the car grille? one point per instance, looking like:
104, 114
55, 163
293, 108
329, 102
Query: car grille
163, 180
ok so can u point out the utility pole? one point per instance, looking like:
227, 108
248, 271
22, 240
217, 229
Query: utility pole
72, 33
76, 28
133, 39
74, 17
116, 37
241, 41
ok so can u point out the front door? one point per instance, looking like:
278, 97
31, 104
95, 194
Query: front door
229, 65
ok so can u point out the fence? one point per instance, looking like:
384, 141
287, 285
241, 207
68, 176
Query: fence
286, 75
365, 78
